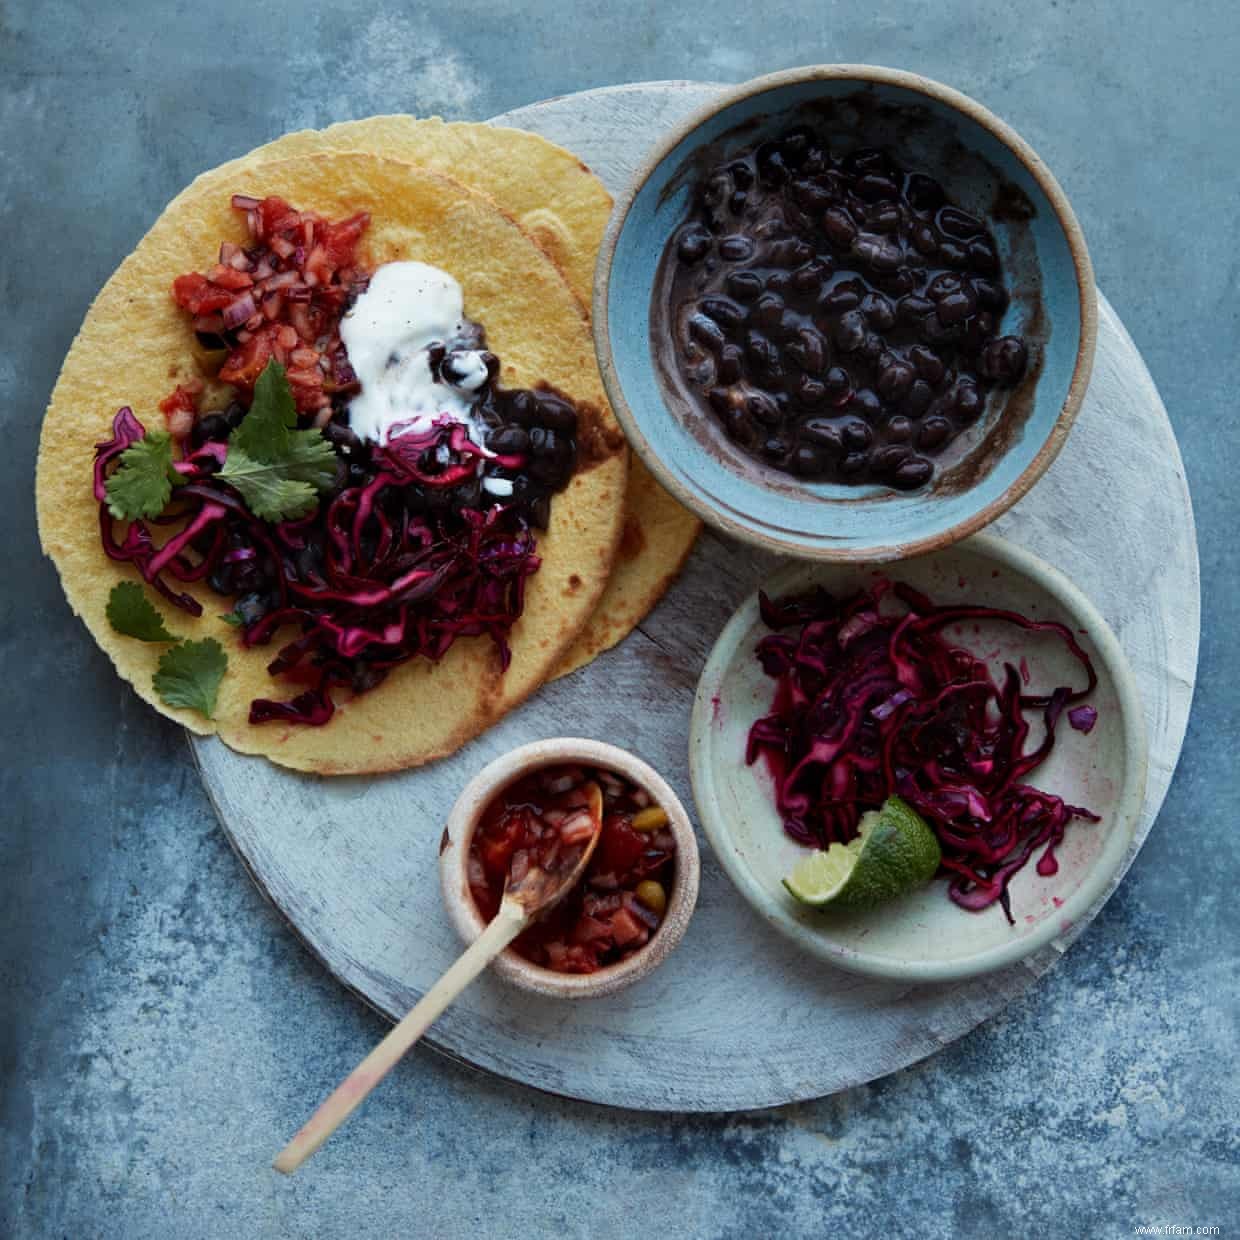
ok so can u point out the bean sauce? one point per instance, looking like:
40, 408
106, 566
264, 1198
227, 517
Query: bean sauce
838, 316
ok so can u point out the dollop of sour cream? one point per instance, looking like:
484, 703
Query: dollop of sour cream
388, 334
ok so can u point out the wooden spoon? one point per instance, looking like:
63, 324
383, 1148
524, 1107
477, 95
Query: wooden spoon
524, 900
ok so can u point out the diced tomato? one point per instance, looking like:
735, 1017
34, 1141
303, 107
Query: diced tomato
184, 397
620, 847
193, 293
247, 362
626, 929
229, 277
275, 215
339, 240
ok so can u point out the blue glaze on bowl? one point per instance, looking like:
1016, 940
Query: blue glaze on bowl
1045, 264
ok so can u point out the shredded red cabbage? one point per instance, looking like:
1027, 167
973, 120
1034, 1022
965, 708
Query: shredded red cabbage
369, 582
872, 701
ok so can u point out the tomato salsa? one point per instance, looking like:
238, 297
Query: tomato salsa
620, 902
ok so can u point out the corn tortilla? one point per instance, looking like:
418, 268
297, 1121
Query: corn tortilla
565, 208
135, 344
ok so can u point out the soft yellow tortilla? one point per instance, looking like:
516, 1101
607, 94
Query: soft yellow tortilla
565, 208
135, 344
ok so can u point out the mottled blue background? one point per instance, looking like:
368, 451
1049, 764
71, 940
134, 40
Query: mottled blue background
161, 1031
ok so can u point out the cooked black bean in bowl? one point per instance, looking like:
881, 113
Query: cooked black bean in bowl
835, 311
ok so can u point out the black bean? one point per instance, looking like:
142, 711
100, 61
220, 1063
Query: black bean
956, 307
957, 224
509, 441
736, 248
968, 402
953, 253
839, 300
724, 311
762, 353
762, 407
991, 296
873, 186
928, 363
933, 331
767, 310
812, 197
897, 283
912, 309
736, 204
214, 428
703, 374
983, 257
1003, 360
913, 473
540, 512
731, 363
924, 192
694, 244
898, 429
556, 413
850, 332
854, 463
809, 350
809, 278
779, 281
883, 217
872, 347
786, 326
725, 400
743, 285
808, 460
866, 402
878, 252
839, 227
776, 448
924, 240
706, 331
522, 407
809, 392
978, 330
942, 285
823, 432
856, 434
894, 381
918, 399
741, 174
837, 383
887, 460
879, 311
790, 252
934, 433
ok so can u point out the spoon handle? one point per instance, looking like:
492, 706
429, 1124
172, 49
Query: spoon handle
352, 1091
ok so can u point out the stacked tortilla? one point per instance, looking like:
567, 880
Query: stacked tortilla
517, 221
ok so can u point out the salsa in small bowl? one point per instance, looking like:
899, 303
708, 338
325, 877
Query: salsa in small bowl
638, 890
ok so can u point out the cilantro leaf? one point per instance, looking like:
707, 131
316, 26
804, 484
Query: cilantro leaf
130, 612
264, 432
284, 489
142, 485
231, 618
278, 470
189, 675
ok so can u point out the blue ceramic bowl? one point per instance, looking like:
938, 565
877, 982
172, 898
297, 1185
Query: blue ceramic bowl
988, 468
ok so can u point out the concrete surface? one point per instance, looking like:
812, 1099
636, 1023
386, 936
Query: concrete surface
161, 1032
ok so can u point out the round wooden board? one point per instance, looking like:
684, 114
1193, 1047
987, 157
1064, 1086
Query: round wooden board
737, 1018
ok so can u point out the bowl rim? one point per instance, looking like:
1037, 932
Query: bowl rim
1077, 909
463, 821
1033, 163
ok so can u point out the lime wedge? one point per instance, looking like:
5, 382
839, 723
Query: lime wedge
894, 853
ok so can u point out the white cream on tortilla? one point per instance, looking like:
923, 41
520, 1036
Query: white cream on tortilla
388, 333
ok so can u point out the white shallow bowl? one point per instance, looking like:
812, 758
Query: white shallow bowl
924, 937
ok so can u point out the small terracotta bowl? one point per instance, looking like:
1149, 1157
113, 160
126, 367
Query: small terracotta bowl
454, 855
